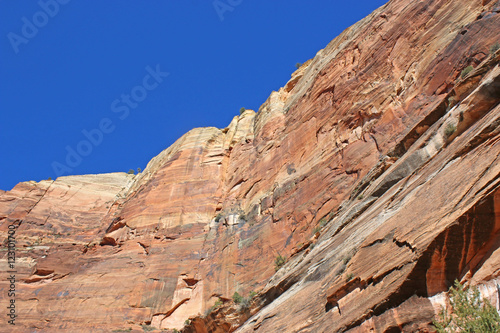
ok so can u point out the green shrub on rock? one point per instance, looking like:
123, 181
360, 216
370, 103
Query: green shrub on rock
466, 71
279, 261
494, 48
468, 313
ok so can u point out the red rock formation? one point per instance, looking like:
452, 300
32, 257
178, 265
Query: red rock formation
374, 171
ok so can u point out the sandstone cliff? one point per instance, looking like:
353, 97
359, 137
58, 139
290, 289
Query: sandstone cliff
374, 171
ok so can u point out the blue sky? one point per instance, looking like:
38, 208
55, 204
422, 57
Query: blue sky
117, 81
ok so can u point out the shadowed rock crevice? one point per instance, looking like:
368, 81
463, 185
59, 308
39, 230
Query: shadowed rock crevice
453, 254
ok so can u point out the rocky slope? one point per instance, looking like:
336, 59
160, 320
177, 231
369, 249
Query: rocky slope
374, 171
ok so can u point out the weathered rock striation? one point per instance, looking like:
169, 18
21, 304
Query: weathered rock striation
375, 171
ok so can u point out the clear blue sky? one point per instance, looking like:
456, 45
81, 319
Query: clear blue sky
100, 66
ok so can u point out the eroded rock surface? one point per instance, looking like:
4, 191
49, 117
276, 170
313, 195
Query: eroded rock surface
374, 171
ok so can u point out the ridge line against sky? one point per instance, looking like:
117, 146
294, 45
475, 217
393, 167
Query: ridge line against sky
118, 82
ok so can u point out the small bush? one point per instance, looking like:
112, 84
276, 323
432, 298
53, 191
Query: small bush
245, 304
346, 260
467, 314
242, 110
317, 229
187, 322
466, 71
449, 130
218, 217
237, 298
131, 172
349, 277
323, 222
298, 65
360, 197
279, 262
147, 328
139, 170
494, 48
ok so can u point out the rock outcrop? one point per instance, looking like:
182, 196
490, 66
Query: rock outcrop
374, 171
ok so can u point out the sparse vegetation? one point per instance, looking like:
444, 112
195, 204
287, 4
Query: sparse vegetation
237, 298
243, 302
467, 314
147, 328
360, 197
466, 71
451, 102
298, 65
187, 322
131, 172
449, 130
343, 267
316, 230
324, 221
213, 307
279, 262
123, 330
494, 48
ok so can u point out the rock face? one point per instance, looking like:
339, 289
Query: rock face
375, 171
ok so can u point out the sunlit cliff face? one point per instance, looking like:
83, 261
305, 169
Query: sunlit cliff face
351, 200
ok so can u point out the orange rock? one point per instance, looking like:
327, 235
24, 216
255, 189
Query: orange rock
374, 172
